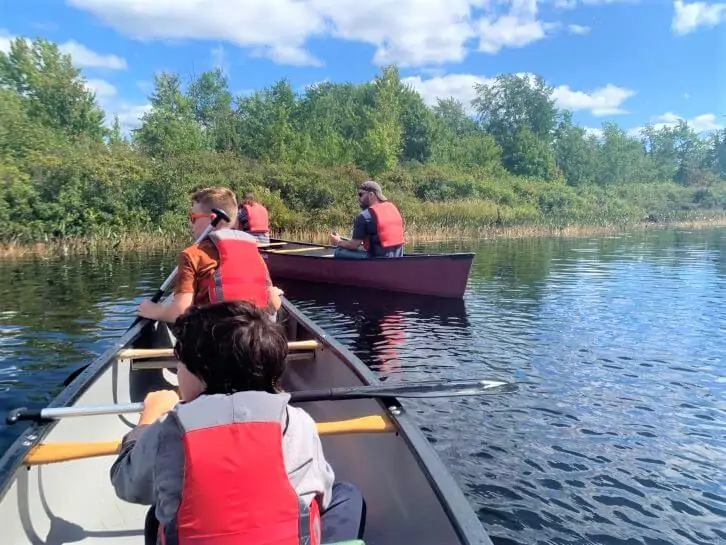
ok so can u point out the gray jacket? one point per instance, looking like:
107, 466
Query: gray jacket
150, 467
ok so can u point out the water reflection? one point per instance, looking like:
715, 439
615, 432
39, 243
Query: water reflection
57, 315
385, 329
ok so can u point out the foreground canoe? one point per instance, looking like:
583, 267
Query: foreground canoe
441, 275
410, 495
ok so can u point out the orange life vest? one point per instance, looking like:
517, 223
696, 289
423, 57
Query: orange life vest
258, 218
389, 225
242, 274
235, 488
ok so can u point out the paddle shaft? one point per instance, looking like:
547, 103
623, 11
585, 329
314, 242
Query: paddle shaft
412, 389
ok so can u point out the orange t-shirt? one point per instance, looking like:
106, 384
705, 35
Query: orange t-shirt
197, 263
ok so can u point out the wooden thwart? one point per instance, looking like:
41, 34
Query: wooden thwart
170, 363
138, 353
48, 453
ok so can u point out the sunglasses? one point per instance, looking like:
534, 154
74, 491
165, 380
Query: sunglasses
361, 193
193, 217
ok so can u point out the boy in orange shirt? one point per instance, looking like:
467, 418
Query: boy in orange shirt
198, 280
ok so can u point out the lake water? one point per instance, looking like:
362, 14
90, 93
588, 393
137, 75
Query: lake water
617, 434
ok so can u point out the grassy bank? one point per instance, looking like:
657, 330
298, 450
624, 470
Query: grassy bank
79, 246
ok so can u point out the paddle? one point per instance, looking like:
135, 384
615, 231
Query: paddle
134, 329
426, 389
48, 453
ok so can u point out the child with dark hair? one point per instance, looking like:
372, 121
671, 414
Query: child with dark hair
233, 458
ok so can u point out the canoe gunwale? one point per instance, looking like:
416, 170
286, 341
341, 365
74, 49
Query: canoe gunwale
13, 458
453, 255
459, 510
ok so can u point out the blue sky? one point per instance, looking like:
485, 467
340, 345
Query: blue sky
629, 61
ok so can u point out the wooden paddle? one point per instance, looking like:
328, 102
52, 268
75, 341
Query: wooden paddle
48, 453
293, 250
270, 244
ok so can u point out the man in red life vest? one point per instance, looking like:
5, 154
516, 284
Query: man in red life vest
254, 219
233, 463
378, 228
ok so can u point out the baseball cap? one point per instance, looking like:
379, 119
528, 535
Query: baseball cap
373, 187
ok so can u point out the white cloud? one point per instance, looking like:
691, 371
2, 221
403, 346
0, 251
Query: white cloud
86, 58
219, 59
509, 31
5, 40
600, 102
571, 4
579, 29
458, 86
405, 32
688, 17
129, 115
603, 101
700, 123
82, 56
278, 28
103, 89
592, 131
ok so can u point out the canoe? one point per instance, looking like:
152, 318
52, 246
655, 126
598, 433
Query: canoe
410, 495
440, 275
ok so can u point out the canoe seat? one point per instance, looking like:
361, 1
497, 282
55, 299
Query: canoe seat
163, 358
171, 363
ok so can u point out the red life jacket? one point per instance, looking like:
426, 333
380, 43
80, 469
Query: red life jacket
258, 218
235, 489
242, 274
389, 225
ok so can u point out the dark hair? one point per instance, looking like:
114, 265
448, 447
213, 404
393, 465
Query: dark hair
232, 346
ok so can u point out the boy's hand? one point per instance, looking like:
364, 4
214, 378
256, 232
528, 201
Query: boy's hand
157, 404
147, 309
275, 296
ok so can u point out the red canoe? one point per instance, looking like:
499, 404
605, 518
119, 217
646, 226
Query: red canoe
441, 275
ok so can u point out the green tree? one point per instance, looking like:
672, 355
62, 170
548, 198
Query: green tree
520, 113
53, 92
383, 139
170, 127
575, 152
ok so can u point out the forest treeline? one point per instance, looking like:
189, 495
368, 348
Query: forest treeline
518, 160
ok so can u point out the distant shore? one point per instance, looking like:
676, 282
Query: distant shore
77, 246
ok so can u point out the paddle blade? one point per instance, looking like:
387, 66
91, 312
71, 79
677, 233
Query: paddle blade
432, 388
456, 388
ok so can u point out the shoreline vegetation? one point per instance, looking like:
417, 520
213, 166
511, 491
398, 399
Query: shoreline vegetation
79, 246
510, 164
